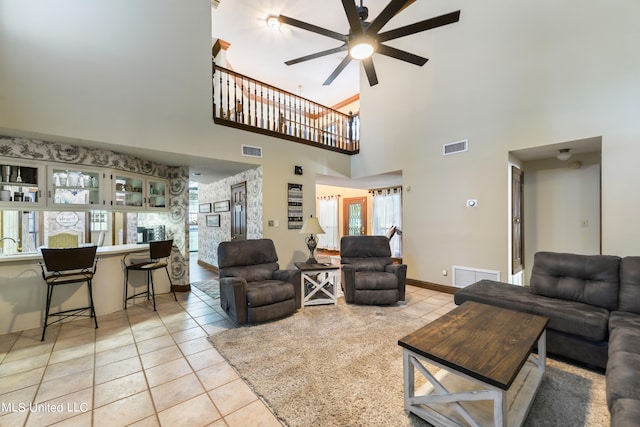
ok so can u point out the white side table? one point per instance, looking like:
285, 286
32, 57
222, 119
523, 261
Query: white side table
318, 283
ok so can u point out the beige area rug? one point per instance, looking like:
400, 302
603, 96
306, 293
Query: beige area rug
341, 366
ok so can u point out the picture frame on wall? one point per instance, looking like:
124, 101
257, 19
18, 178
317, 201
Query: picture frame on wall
213, 220
204, 207
294, 206
222, 206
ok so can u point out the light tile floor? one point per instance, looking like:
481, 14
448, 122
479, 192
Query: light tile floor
141, 368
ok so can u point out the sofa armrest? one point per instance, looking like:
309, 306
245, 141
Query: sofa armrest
349, 282
400, 271
233, 298
291, 276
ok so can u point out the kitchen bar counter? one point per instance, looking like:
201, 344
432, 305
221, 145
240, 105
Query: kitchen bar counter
23, 293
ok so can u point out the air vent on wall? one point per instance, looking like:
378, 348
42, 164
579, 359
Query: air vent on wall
455, 147
249, 151
465, 276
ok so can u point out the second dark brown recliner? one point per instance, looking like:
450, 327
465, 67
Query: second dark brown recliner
368, 273
253, 289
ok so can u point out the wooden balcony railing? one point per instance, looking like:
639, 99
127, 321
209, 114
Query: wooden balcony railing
245, 103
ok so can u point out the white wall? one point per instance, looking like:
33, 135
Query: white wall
561, 207
508, 76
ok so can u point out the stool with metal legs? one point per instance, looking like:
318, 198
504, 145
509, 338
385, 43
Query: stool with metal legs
63, 267
159, 252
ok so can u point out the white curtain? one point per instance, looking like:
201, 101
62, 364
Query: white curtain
328, 218
387, 212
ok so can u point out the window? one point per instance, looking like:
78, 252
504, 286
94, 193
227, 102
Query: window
387, 213
328, 218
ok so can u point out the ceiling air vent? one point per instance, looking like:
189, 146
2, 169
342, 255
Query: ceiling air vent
249, 151
455, 147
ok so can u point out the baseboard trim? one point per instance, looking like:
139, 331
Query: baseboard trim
208, 266
432, 286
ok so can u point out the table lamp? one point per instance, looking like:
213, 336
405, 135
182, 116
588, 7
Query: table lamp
311, 227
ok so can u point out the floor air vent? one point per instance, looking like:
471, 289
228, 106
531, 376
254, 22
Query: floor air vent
465, 276
455, 147
249, 151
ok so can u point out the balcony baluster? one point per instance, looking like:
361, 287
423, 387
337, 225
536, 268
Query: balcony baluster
262, 108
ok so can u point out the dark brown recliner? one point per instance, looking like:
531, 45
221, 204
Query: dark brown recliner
253, 289
368, 273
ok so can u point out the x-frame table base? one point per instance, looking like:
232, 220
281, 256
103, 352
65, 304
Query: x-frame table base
451, 398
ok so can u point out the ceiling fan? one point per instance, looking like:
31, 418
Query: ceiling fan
365, 39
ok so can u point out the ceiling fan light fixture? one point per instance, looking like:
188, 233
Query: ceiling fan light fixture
564, 154
361, 47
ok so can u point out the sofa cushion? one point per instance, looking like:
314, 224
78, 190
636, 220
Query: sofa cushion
629, 299
624, 339
570, 317
365, 247
623, 380
269, 292
625, 413
375, 281
623, 319
251, 273
589, 279
367, 264
246, 252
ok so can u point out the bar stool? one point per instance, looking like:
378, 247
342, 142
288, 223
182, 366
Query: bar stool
63, 267
159, 252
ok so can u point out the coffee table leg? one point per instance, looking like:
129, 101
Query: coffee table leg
409, 381
442, 395
500, 409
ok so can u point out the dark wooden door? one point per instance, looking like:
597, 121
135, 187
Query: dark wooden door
517, 223
354, 211
239, 211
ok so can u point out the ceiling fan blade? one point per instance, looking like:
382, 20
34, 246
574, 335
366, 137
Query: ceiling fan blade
401, 55
313, 28
352, 15
338, 70
427, 24
317, 55
387, 13
370, 70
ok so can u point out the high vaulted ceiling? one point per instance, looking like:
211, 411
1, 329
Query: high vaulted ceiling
260, 52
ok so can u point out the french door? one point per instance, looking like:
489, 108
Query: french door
355, 216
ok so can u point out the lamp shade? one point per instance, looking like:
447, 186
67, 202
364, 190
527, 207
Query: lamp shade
311, 226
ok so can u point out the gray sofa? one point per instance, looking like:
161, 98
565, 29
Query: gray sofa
593, 306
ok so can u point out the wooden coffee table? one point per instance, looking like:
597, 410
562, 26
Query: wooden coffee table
488, 374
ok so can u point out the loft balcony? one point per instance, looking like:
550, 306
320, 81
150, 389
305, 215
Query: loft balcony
245, 103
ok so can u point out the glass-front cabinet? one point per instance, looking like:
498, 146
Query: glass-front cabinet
74, 186
128, 191
157, 193
20, 184
26, 185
